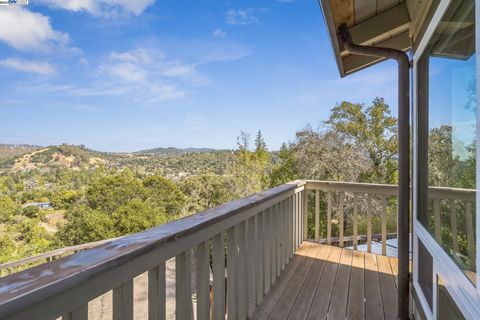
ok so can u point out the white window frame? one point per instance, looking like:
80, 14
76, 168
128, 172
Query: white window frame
462, 291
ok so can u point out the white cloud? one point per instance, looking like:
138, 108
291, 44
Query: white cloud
39, 67
25, 30
219, 33
104, 8
241, 17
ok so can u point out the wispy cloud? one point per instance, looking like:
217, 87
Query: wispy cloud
219, 33
241, 17
25, 30
101, 8
39, 67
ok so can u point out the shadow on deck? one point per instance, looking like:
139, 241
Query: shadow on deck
326, 282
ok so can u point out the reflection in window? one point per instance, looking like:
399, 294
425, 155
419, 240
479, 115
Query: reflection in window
447, 101
447, 309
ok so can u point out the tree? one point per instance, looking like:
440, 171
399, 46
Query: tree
136, 216
375, 130
7, 249
8, 208
165, 194
285, 169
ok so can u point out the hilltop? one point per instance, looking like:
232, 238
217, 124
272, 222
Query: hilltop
172, 162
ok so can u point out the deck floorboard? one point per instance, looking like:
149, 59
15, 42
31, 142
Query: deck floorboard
327, 282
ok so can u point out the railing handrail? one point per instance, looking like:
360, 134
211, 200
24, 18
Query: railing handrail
54, 253
389, 189
29, 287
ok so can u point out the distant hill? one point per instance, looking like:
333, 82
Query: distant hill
174, 163
62, 156
9, 151
173, 151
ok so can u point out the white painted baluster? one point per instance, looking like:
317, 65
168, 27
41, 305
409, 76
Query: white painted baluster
291, 226
470, 236
355, 221
453, 222
278, 237
305, 214
384, 225
341, 222
218, 263
285, 233
317, 215
273, 244
438, 221
329, 218
78, 314
156, 293
203, 280
251, 273
241, 275
231, 273
267, 226
369, 223
123, 301
259, 265
183, 286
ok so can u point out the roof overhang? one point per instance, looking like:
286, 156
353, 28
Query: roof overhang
369, 23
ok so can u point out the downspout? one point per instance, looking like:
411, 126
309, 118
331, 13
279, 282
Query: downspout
403, 158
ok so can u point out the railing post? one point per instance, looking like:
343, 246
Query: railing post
341, 218
203, 280
251, 274
317, 215
231, 274
355, 221
329, 218
305, 213
369, 223
218, 262
156, 293
78, 314
259, 266
183, 286
453, 222
123, 301
384, 225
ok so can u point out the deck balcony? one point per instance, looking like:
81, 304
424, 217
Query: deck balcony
291, 252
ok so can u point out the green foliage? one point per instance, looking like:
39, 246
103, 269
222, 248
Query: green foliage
7, 249
8, 208
164, 193
374, 129
37, 239
31, 212
285, 169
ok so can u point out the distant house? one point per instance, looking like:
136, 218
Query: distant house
41, 205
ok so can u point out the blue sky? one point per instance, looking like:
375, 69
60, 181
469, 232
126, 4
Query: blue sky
124, 75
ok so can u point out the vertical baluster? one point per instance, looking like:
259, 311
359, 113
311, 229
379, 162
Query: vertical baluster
329, 218
231, 273
183, 286
317, 215
453, 221
242, 275
123, 301
203, 279
251, 241
78, 314
278, 246
355, 221
470, 236
297, 220
285, 233
273, 244
305, 214
384, 225
218, 262
259, 257
369, 223
291, 226
156, 293
266, 249
341, 217
438, 221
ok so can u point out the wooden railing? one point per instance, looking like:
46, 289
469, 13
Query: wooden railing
244, 244
247, 243
379, 200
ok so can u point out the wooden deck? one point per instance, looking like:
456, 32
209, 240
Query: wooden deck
326, 282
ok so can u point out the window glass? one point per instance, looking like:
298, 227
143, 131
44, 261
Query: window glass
447, 135
425, 272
